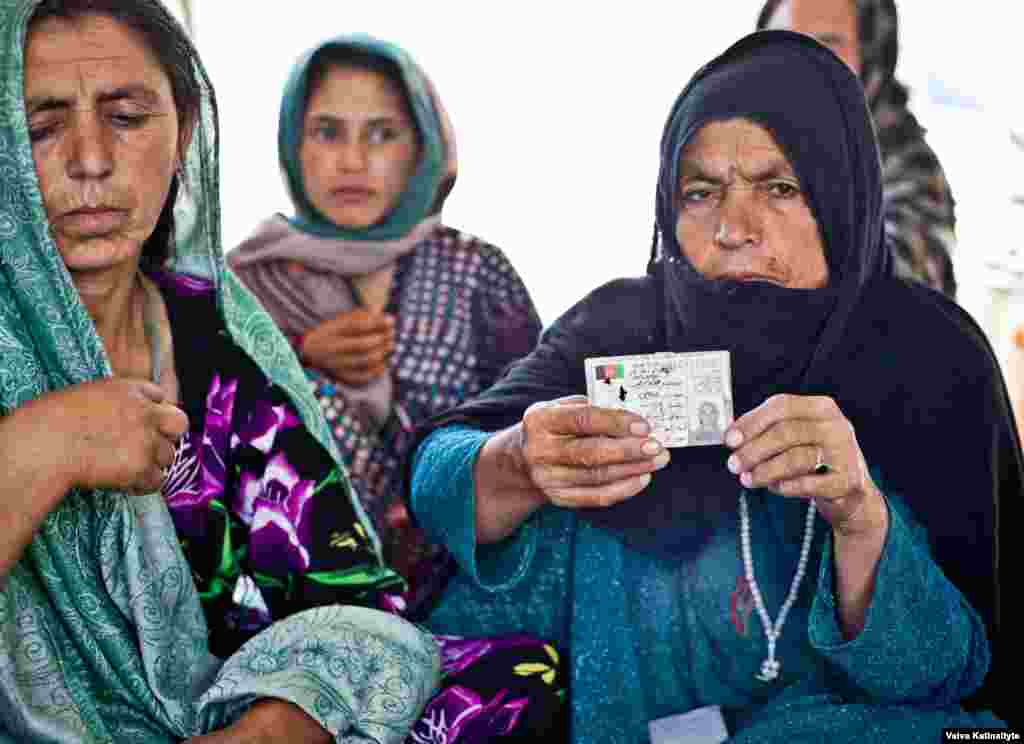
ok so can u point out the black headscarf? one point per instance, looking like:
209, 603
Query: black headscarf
780, 340
910, 370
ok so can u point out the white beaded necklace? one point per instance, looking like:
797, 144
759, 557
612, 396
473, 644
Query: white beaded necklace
770, 666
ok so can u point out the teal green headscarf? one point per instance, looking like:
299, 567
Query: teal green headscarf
102, 637
420, 194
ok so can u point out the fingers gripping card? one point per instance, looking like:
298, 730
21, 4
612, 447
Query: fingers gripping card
685, 397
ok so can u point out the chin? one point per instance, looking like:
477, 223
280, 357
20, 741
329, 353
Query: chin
99, 256
355, 218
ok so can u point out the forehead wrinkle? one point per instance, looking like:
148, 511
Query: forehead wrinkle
725, 160
46, 49
726, 169
140, 88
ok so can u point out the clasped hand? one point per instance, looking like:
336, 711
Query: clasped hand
117, 433
355, 347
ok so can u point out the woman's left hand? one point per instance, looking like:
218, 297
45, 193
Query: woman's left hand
269, 721
779, 445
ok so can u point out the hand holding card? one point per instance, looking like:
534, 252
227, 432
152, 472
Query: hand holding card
579, 455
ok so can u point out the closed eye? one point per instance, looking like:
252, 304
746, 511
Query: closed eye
129, 121
39, 133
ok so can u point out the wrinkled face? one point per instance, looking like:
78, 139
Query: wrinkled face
832, 22
742, 211
105, 137
358, 148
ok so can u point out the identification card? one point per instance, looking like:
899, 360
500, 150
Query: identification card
685, 397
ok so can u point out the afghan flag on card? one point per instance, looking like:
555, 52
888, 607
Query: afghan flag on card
607, 372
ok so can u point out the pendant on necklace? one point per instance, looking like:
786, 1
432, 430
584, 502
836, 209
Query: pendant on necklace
769, 670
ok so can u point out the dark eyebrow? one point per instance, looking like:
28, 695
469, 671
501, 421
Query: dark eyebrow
44, 103
778, 169
332, 119
138, 91
692, 171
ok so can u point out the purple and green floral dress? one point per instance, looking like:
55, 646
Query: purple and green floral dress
267, 527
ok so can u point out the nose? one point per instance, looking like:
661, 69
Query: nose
91, 153
738, 224
353, 157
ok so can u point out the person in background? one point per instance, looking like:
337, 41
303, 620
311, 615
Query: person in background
397, 318
919, 206
395, 315
147, 402
829, 575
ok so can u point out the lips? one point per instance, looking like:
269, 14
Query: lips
352, 195
93, 221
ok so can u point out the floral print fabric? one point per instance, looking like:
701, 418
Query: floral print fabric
506, 689
260, 508
268, 531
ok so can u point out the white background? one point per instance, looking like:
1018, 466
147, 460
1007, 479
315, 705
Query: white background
558, 108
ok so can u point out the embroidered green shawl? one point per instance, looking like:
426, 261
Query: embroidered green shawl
102, 637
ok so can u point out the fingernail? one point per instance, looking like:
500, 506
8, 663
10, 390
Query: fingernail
733, 463
639, 428
651, 447
662, 460
747, 480
734, 438
645, 480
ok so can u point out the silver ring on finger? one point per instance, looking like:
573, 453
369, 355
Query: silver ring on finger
820, 466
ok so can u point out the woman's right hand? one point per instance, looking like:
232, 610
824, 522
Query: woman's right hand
355, 347
579, 455
115, 433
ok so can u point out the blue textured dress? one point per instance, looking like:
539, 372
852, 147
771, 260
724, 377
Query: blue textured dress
648, 639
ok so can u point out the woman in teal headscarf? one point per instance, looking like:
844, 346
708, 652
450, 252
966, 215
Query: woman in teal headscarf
395, 315
132, 363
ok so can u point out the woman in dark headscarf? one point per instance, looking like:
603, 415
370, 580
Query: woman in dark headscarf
919, 218
875, 407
